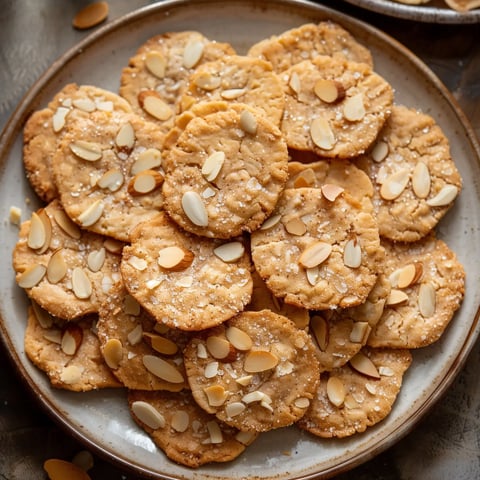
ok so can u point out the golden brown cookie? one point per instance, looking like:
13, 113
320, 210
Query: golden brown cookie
186, 433
45, 127
334, 107
67, 271
255, 372
428, 285
318, 251
307, 42
358, 395
185, 281
414, 176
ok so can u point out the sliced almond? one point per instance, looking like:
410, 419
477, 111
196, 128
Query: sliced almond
259, 361
230, 252
233, 93
331, 191
180, 421
352, 254
125, 139
59, 118
396, 297
220, 348
81, 285
235, 408
137, 263
71, 339
306, 178
427, 300
270, 222
302, 402
111, 180
395, 184
66, 224
294, 83
96, 259
238, 338
43, 317
360, 332
192, 53
212, 166
216, 395
336, 391
37, 236
206, 81
71, 374
145, 182
329, 91
61, 470
91, 214
194, 208
161, 344
409, 274
245, 380
362, 364
135, 335
215, 432
86, 150
156, 64
444, 197
313, 274
320, 330
90, 16
354, 108
162, 369
421, 180
315, 254
148, 414
32, 276
248, 123
174, 258
380, 151
256, 396
153, 104
147, 160
84, 104
211, 370
322, 134
57, 267
296, 226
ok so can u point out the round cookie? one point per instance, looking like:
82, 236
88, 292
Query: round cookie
239, 79
67, 271
349, 401
428, 285
318, 253
142, 353
68, 352
160, 69
108, 172
307, 42
44, 129
255, 372
333, 107
415, 179
185, 281
186, 433
224, 170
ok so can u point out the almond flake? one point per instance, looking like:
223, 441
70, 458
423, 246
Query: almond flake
212, 166
31, 276
245, 380
235, 408
353, 108
125, 139
175, 258
386, 371
380, 151
194, 208
215, 432
396, 297
60, 470
259, 361
86, 150
444, 197
216, 395
53, 335
15, 215
313, 274
270, 222
408, 275
230, 252
207, 81
66, 224
352, 254
161, 344
256, 396
148, 414
362, 364
58, 119
138, 263
307, 178
57, 267
37, 235
421, 180
162, 369
322, 134
233, 93
426, 300
112, 180
294, 83
147, 160
336, 391
91, 214
296, 226
135, 336
192, 53
248, 123
395, 184
84, 104
302, 402
238, 338
43, 317
151, 102
82, 288
71, 374
71, 339
96, 259
145, 182
319, 327
360, 332
211, 370
156, 64
315, 254
180, 421
219, 348
329, 91
331, 191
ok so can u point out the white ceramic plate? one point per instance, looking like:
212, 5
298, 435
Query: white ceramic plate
101, 419
435, 11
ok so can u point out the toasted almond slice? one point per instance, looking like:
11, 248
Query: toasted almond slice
421, 180
380, 151
215, 432
71, 374
125, 139
259, 361
61, 470
91, 214
444, 197
37, 235
354, 108
256, 396
206, 81
208, 193
194, 208
175, 258
322, 134
153, 104
148, 414
32, 276
138, 263
43, 317
112, 180
238, 338
96, 259
362, 364
81, 285
192, 53
352, 254
216, 395
313, 274
336, 391
245, 380
230, 252
233, 93
211, 370
15, 215
86, 150
57, 267
71, 339
329, 91
145, 182
66, 224
409, 274
302, 402
235, 408
220, 348
396, 297
91, 15
84, 104
360, 332
248, 123
294, 83
147, 160
395, 184
135, 335
162, 369
59, 118
270, 222
212, 165
319, 327
427, 300
296, 226
180, 421
331, 191
156, 64
113, 353
306, 178
160, 344
315, 254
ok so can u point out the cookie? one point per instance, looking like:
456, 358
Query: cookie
414, 176
185, 281
238, 79
255, 372
428, 285
224, 170
156, 75
45, 127
67, 271
334, 107
187, 434
108, 172
317, 251
142, 353
68, 352
358, 395
307, 42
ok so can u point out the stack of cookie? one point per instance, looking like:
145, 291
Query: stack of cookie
242, 242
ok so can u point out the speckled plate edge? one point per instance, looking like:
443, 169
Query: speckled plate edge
463, 334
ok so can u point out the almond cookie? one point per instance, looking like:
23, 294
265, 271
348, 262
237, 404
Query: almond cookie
185, 281
415, 179
142, 353
66, 270
238, 79
45, 127
340, 334
68, 352
157, 74
428, 284
358, 395
307, 42
255, 372
108, 172
186, 433
333, 107
318, 251
225, 170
